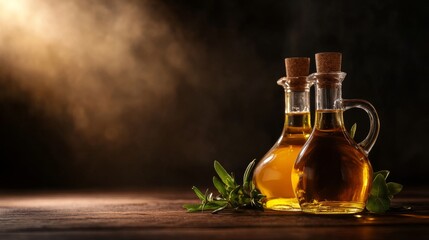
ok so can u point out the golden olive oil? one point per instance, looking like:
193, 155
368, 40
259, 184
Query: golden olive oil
332, 175
272, 176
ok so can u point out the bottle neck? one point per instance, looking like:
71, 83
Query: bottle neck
329, 109
297, 101
297, 108
328, 96
297, 112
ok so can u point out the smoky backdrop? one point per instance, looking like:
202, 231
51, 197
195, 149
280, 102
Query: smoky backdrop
125, 94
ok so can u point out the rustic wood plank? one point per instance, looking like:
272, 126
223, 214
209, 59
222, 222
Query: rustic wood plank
158, 214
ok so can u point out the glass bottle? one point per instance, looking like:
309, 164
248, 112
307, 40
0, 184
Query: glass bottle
332, 174
272, 175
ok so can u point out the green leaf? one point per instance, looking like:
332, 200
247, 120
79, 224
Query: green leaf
212, 206
379, 187
192, 207
209, 196
199, 194
377, 204
353, 131
202, 207
385, 174
378, 200
191, 210
247, 176
234, 195
220, 209
223, 174
231, 195
252, 186
394, 188
220, 202
219, 186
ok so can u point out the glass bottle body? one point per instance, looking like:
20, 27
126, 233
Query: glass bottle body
272, 175
332, 174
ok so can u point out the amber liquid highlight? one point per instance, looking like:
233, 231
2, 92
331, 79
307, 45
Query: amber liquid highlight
272, 175
332, 175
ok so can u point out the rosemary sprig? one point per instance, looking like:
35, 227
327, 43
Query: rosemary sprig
231, 195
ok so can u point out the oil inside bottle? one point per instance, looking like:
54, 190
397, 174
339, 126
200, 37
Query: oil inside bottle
332, 175
272, 175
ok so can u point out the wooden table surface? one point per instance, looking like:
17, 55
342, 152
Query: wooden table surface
158, 215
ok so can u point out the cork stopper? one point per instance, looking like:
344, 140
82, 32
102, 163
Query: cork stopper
328, 62
297, 70
297, 67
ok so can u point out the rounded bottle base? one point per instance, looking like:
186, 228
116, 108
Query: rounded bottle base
333, 207
283, 204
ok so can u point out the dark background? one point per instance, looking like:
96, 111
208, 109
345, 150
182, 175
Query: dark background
196, 83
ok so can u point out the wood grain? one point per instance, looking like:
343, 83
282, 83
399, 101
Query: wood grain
159, 215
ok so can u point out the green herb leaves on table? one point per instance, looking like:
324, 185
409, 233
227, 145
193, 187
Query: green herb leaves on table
381, 192
231, 195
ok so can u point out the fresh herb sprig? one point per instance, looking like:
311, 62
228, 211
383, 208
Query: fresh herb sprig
381, 192
231, 195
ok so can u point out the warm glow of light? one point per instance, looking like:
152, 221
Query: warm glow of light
11, 7
93, 62
70, 200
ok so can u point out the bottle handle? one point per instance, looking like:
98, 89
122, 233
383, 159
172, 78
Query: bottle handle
374, 122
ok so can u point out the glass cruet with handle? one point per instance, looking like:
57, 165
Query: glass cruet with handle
332, 174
